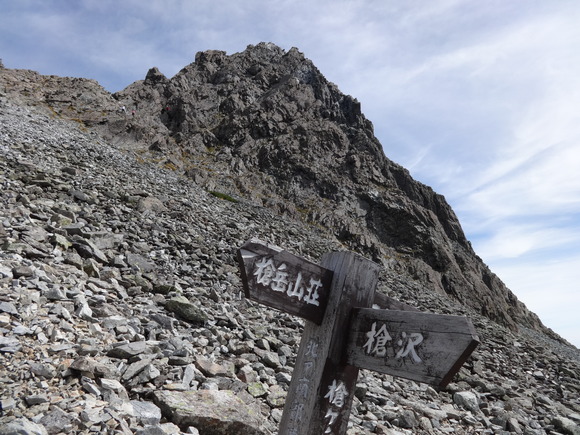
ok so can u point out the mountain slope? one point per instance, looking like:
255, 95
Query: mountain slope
101, 240
265, 125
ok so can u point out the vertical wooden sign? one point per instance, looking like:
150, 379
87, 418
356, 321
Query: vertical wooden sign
322, 388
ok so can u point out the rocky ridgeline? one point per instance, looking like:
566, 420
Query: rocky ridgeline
265, 125
121, 307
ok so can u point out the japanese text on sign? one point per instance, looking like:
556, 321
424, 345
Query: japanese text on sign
336, 396
377, 341
277, 278
305, 384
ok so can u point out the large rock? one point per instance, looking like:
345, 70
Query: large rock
211, 412
185, 309
22, 427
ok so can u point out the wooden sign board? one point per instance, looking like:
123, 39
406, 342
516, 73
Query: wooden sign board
423, 347
278, 279
344, 334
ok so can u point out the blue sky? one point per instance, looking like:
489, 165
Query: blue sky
478, 99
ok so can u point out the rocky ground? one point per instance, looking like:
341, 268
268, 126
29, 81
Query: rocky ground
121, 310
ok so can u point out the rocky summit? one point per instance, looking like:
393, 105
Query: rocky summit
121, 302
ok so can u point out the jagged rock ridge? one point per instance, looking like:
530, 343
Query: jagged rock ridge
286, 138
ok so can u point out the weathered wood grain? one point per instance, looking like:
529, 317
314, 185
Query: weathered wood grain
278, 279
322, 388
424, 347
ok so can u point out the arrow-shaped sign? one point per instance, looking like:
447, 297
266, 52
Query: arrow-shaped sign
424, 347
276, 278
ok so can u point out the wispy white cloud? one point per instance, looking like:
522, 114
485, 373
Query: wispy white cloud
514, 240
550, 290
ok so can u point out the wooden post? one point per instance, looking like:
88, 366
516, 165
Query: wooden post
322, 387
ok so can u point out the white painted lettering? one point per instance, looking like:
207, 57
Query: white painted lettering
376, 343
408, 344
278, 280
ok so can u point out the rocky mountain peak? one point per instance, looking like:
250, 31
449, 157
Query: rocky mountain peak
286, 138
266, 126
119, 292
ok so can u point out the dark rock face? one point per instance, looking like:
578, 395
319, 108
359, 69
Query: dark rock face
286, 138
265, 125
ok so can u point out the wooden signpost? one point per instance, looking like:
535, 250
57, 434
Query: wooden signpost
281, 280
343, 333
424, 347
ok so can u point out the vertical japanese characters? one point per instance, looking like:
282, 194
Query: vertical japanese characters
304, 388
336, 395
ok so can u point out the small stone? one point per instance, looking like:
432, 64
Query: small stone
276, 397
271, 359
7, 404
115, 321
566, 425
139, 262
56, 421
23, 426
54, 294
74, 259
210, 368
257, 389
82, 196
186, 310
61, 241
22, 272
135, 368
43, 370
146, 413
4, 320
91, 268
149, 373
22, 330
84, 311
283, 378
189, 375
467, 400
247, 374
91, 366
160, 429
126, 351
112, 384
8, 307
36, 399
90, 387
5, 272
